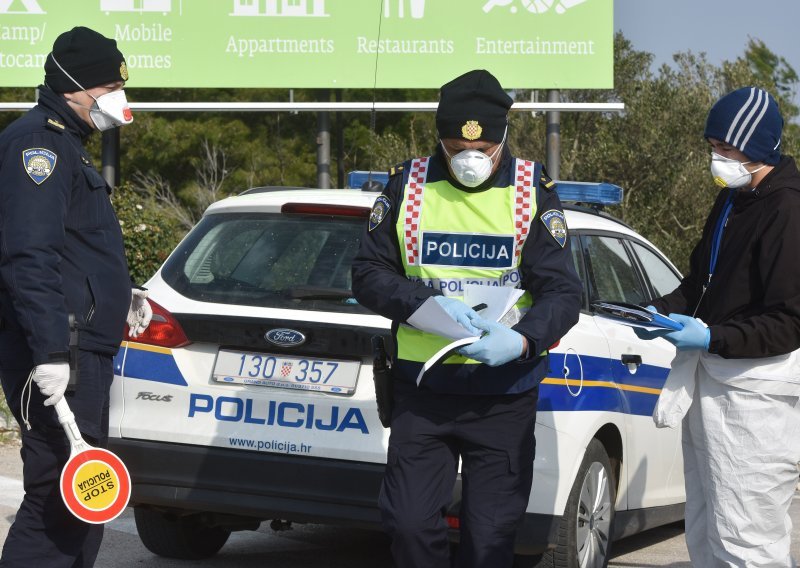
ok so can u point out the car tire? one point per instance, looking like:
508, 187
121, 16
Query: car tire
182, 537
584, 533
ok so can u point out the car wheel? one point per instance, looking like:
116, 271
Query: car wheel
584, 534
173, 536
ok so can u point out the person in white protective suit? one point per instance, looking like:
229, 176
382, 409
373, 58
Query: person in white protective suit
735, 380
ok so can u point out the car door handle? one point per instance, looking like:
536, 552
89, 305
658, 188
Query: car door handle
632, 362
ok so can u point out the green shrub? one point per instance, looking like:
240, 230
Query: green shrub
149, 231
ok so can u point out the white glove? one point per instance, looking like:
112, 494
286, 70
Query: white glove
140, 312
52, 379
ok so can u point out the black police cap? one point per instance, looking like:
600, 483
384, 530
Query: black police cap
473, 107
89, 57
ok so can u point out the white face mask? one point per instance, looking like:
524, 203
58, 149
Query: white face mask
472, 167
109, 110
730, 173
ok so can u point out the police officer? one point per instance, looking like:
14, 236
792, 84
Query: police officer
61, 255
471, 213
735, 381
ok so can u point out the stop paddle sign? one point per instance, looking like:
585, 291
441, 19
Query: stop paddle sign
95, 484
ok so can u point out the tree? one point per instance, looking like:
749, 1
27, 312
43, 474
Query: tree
655, 148
768, 67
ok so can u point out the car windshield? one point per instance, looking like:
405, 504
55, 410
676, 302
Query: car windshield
268, 260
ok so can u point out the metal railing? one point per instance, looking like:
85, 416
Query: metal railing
337, 107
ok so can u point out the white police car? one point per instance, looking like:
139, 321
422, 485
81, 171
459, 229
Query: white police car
250, 397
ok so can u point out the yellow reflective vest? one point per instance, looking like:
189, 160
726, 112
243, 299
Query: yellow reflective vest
450, 238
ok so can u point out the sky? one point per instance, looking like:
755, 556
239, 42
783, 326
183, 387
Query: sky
720, 28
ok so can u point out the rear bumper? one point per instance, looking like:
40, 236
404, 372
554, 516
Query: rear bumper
275, 486
251, 484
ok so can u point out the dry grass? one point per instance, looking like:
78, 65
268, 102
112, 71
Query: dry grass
9, 430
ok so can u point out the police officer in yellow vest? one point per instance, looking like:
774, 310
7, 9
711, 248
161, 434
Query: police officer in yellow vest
470, 214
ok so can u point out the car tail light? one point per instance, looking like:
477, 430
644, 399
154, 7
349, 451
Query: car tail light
318, 209
164, 330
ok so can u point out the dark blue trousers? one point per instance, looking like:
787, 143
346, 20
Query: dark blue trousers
44, 533
494, 437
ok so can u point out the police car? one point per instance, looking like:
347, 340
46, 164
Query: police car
250, 397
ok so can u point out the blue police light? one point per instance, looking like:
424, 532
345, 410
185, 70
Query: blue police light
574, 191
591, 193
356, 180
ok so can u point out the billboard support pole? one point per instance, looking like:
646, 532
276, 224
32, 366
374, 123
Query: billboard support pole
339, 143
553, 137
110, 156
324, 148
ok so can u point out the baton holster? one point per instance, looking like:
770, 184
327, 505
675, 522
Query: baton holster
73, 354
382, 376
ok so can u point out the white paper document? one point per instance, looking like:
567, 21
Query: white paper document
432, 318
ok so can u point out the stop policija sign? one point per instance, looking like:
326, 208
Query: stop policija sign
95, 485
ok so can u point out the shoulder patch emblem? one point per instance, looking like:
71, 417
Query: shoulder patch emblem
379, 211
39, 163
556, 224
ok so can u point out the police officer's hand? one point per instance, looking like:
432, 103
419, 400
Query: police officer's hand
52, 379
140, 313
499, 345
460, 312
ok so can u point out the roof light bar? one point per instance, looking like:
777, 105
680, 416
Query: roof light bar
586, 192
573, 191
358, 178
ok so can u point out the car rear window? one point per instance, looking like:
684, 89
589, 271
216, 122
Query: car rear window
268, 260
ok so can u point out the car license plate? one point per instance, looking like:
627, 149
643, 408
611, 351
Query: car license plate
322, 375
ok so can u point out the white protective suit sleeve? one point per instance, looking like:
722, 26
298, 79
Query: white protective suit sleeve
678, 390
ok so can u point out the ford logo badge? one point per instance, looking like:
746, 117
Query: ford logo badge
285, 337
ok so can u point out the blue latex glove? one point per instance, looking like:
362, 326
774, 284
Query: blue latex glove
694, 334
460, 312
499, 345
651, 309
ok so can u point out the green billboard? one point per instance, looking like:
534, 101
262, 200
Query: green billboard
324, 43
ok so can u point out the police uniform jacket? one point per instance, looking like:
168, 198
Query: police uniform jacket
61, 249
752, 305
380, 284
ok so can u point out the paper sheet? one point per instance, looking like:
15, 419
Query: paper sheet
443, 353
432, 318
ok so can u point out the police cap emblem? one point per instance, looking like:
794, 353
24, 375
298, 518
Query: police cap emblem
39, 163
471, 130
556, 224
123, 71
379, 211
